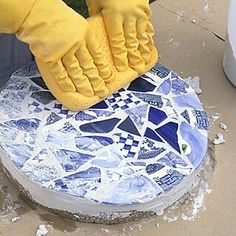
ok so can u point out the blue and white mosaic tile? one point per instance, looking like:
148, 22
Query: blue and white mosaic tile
130, 148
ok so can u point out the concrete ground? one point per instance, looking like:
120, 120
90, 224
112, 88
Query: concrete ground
190, 38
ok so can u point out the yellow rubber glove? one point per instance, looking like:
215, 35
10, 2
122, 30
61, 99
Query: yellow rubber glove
129, 29
59, 37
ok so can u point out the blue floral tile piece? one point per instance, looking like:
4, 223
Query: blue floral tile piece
202, 121
138, 115
156, 116
169, 133
53, 118
27, 125
20, 153
153, 168
186, 116
142, 141
82, 116
170, 180
179, 86
100, 127
71, 160
160, 70
141, 85
92, 143
151, 99
165, 87
150, 149
68, 128
173, 160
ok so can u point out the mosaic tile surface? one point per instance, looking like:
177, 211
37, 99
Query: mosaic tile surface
138, 144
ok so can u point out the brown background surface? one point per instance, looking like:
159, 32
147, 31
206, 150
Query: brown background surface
189, 49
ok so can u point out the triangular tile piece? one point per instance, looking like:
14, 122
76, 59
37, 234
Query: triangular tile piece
169, 133
156, 116
104, 126
149, 149
186, 116
152, 135
53, 118
138, 114
141, 85
69, 128
165, 87
82, 116
100, 105
129, 126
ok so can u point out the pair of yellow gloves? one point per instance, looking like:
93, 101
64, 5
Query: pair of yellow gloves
68, 50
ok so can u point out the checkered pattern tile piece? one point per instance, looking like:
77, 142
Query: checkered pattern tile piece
127, 143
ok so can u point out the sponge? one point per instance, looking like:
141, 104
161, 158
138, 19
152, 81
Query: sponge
76, 101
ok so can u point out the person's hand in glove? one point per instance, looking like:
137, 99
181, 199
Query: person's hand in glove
129, 29
59, 37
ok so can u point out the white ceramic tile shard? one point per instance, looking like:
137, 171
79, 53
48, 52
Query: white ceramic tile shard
138, 150
219, 139
194, 82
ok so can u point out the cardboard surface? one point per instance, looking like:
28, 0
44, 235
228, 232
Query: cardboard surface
190, 50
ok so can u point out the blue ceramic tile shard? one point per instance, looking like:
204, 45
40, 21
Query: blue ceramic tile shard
189, 100
82, 116
160, 70
170, 180
100, 127
68, 128
100, 105
18, 85
88, 175
20, 153
179, 86
186, 116
202, 121
151, 99
27, 125
153, 168
172, 160
39, 81
126, 192
129, 126
7, 133
71, 160
103, 113
92, 143
169, 133
197, 142
43, 97
156, 116
53, 118
138, 115
127, 143
165, 87
141, 85
149, 133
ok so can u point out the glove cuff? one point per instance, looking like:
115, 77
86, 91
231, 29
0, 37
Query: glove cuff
13, 14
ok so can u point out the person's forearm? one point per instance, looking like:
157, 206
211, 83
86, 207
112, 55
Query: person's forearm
13, 13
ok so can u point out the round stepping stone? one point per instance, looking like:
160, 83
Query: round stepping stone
131, 155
